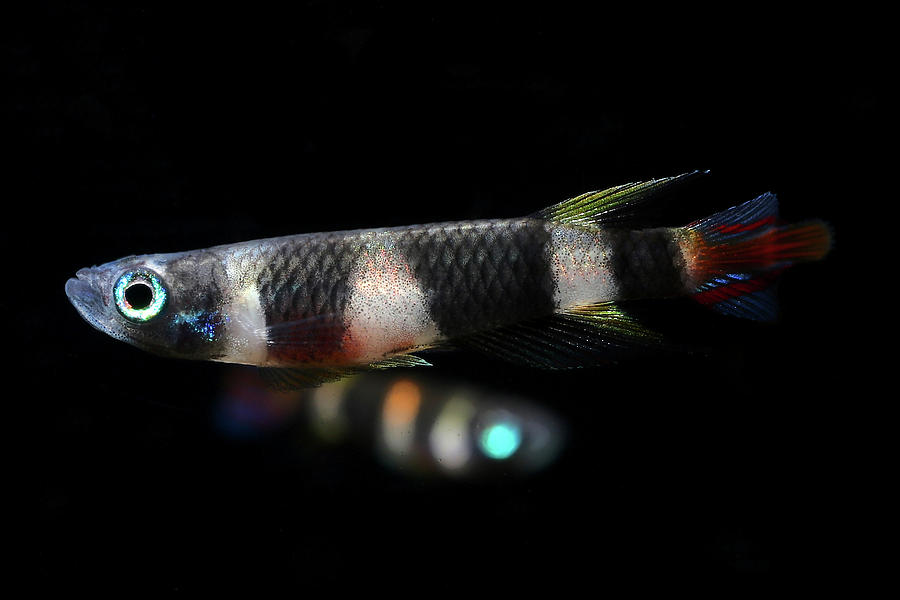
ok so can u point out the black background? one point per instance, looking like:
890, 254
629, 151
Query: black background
161, 128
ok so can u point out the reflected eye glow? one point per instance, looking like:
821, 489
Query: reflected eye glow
449, 439
399, 416
501, 440
153, 306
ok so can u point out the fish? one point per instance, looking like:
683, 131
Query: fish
549, 290
419, 425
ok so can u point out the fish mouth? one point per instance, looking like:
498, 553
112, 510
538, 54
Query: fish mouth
84, 293
82, 289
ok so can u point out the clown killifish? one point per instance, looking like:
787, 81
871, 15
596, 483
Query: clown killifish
549, 290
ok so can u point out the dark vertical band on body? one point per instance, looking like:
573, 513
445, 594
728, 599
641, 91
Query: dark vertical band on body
647, 263
482, 274
305, 283
195, 283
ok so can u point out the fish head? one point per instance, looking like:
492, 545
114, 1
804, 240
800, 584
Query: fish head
164, 304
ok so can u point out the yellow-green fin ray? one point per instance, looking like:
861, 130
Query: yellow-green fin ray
615, 205
293, 378
584, 336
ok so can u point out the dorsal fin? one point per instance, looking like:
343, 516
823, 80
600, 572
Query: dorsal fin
614, 206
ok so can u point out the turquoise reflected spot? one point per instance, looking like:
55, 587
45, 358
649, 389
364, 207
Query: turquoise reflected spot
501, 440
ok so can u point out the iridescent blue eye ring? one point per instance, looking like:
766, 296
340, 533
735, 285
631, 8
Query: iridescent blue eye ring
126, 303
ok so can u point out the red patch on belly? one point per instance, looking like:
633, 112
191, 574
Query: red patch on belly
308, 340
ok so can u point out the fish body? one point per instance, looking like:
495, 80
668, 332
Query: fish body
548, 290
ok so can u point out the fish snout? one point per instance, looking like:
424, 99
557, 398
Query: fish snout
86, 287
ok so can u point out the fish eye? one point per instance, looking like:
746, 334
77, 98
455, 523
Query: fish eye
139, 295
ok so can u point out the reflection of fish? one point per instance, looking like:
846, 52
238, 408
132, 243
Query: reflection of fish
548, 290
421, 424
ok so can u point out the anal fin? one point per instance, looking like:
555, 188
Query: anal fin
285, 379
579, 337
293, 378
400, 360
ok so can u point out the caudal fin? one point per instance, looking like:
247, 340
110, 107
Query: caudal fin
734, 256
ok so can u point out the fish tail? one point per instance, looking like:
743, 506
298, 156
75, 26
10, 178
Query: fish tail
733, 257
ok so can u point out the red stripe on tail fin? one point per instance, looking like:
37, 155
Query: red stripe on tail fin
739, 252
775, 247
729, 289
745, 227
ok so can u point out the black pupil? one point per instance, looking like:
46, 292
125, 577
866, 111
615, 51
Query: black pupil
139, 295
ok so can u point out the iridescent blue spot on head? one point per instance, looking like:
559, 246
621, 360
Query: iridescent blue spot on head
501, 440
205, 324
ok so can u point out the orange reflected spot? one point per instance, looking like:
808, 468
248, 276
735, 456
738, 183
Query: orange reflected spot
402, 403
